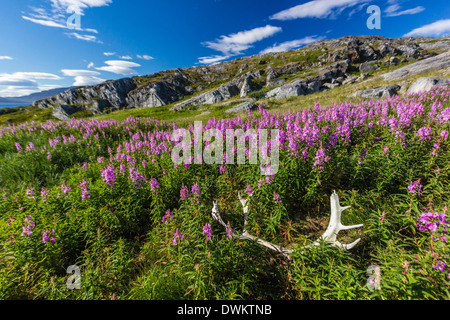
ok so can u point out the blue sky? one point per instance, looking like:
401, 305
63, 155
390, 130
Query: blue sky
40, 50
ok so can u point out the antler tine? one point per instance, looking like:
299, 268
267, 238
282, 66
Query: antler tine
335, 225
330, 235
216, 214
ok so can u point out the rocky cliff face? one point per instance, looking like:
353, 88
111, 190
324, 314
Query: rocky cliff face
319, 66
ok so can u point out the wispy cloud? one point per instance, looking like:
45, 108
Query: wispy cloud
435, 29
23, 83
91, 65
212, 59
108, 54
394, 10
126, 58
5, 58
293, 44
120, 67
145, 57
84, 37
57, 14
236, 43
83, 77
317, 9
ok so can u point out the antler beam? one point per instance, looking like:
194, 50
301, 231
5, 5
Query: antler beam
330, 235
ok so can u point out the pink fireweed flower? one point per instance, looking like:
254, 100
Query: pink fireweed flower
167, 216
18, 147
184, 192
424, 134
65, 189
444, 134
320, 159
154, 185
178, 236
405, 267
415, 187
109, 175
429, 221
30, 193
84, 166
277, 198
27, 228
229, 232
196, 192
85, 194
46, 237
207, 231
30, 147
441, 265
249, 189
223, 169
100, 159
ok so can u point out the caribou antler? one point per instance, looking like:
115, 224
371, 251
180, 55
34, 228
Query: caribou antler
329, 236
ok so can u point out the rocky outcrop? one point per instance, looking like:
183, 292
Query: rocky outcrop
438, 62
115, 92
224, 92
426, 84
65, 111
378, 92
293, 89
153, 95
242, 107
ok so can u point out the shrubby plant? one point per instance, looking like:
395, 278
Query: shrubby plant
107, 197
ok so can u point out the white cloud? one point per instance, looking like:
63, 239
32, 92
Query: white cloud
78, 5
83, 37
83, 77
393, 10
236, 43
126, 58
108, 54
145, 57
47, 23
5, 58
436, 29
24, 83
120, 67
60, 10
91, 65
317, 9
212, 59
290, 45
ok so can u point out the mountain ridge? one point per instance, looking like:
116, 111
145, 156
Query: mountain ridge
319, 66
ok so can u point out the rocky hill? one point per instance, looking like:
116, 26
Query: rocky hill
319, 66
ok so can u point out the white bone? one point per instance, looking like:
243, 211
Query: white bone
330, 235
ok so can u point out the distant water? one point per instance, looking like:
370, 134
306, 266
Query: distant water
11, 105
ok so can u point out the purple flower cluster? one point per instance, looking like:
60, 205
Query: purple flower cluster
27, 228
154, 185
85, 194
277, 198
184, 192
46, 237
429, 221
137, 178
167, 216
207, 231
196, 192
415, 187
109, 175
178, 236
